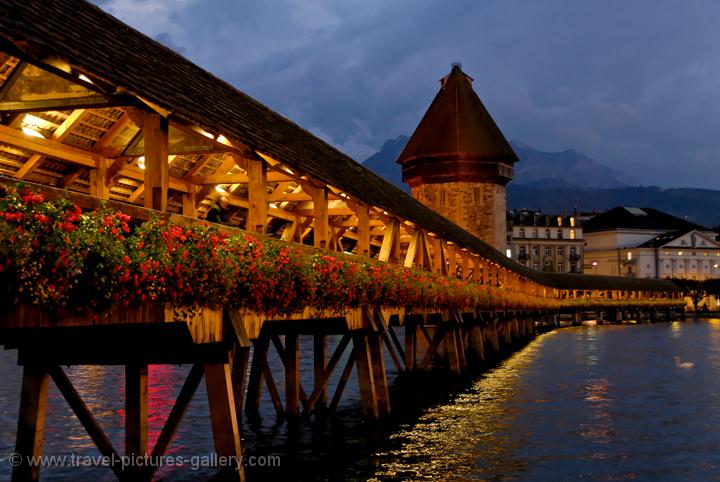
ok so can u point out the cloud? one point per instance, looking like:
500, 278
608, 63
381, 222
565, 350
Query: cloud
629, 83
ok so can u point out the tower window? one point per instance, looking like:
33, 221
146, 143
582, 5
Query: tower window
443, 197
477, 196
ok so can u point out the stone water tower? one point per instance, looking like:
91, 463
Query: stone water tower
458, 162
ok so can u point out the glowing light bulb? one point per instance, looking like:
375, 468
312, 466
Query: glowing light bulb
28, 131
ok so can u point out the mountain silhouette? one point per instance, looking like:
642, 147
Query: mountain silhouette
557, 182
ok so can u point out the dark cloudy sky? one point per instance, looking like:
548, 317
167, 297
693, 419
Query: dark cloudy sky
634, 84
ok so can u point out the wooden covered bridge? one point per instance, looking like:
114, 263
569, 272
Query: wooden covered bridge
94, 111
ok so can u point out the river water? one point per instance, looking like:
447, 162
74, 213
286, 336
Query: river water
588, 403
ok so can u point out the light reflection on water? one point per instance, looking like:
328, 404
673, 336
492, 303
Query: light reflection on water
605, 403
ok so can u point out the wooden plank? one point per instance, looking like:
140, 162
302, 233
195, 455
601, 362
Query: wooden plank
257, 196
225, 426
157, 173
136, 409
86, 418
31, 422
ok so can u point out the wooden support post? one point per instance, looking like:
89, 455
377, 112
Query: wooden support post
460, 344
322, 382
391, 239
257, 196
226, 430
382, 395
292, 375
363, 230
452, 260
438, 257
365, 376
255, 382
157, 172
321, 229
494, 337
465, 265
414, 249
31, 422
241, 360
478, 341
98, 180
136, 410
452, 349
320, 350
410, 345
190, 203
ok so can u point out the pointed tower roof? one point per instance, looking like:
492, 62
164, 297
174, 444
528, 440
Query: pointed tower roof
456, 133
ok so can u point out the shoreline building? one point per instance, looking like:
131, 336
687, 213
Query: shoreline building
457, 162
544, 242
647, 243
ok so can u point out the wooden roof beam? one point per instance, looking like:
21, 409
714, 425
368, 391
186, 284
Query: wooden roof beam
272, 176
330, 211
60, 133
47, 147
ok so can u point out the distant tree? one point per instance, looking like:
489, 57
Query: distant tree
693, 289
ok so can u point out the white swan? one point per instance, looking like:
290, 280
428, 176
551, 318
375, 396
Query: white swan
680, 364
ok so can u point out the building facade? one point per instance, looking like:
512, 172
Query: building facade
457, 161
647, 243
544, 242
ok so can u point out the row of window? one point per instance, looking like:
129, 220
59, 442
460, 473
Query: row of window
548, 233
558, 268
522, 251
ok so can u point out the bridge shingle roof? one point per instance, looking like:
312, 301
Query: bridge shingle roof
94, 42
